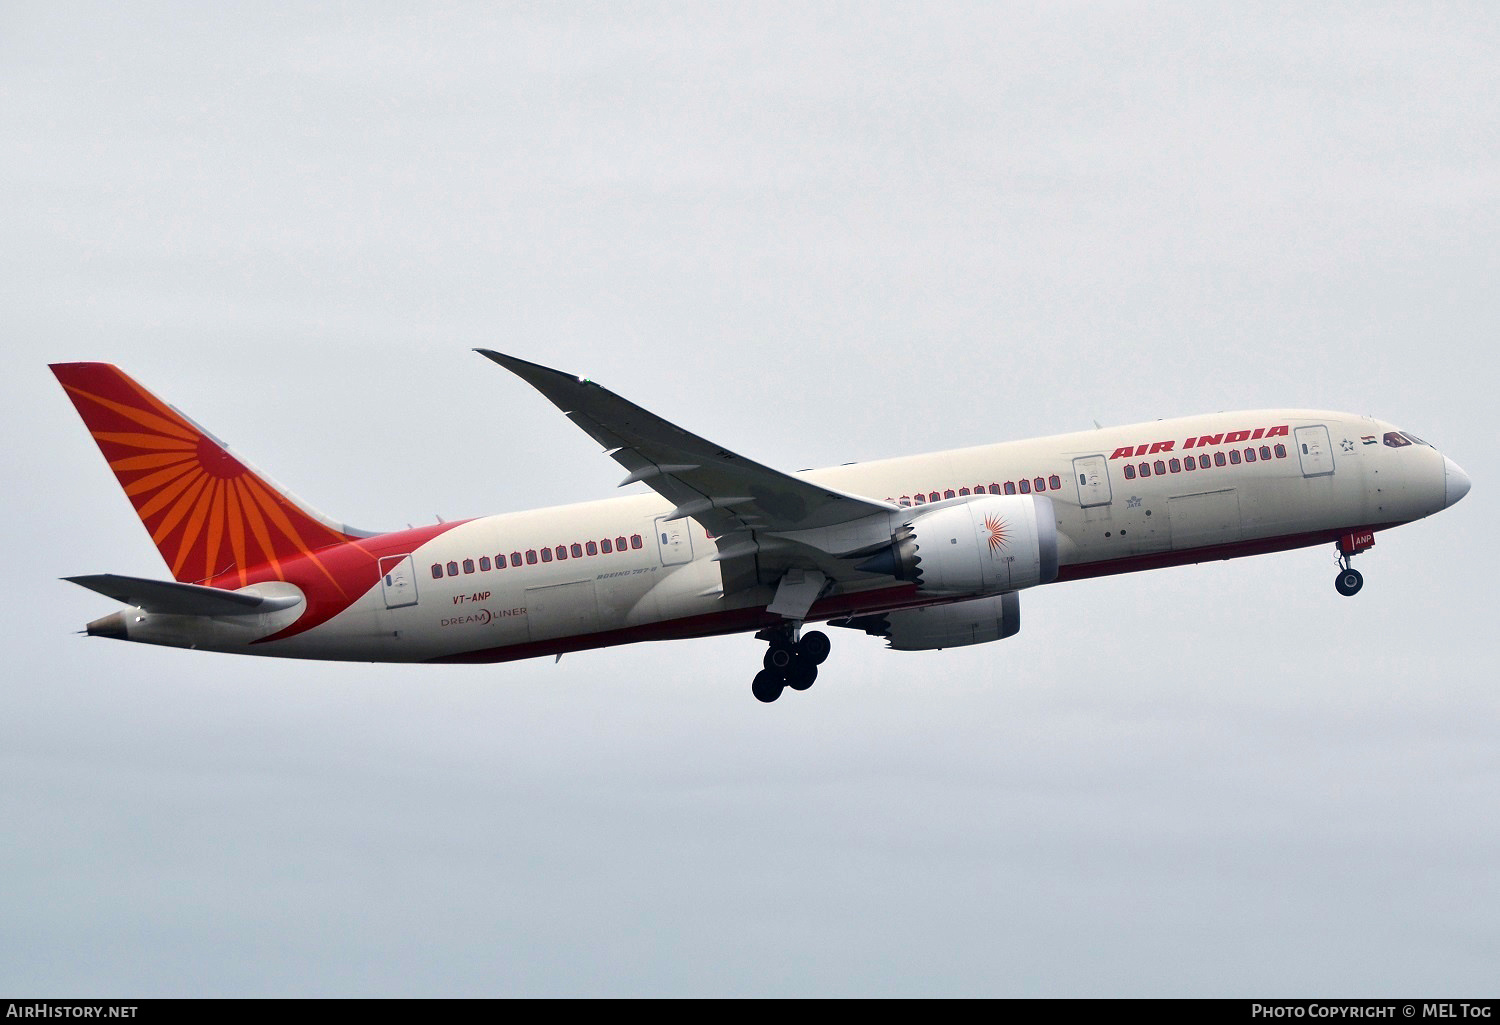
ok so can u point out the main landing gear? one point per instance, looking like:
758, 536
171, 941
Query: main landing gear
1350, 580
789, 662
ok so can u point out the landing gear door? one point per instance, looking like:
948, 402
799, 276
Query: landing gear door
674, 539
398, 580
1315, 451
1092, 475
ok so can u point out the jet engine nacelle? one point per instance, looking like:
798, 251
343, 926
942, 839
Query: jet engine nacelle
945, 626
984, 545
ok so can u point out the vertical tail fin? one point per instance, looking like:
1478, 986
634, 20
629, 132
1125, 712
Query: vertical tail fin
208, 512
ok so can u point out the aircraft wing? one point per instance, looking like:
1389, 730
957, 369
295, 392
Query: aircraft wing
737, 500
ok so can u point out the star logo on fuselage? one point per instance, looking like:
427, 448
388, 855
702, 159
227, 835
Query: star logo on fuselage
1348, 445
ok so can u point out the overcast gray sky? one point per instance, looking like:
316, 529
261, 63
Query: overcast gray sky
813, 233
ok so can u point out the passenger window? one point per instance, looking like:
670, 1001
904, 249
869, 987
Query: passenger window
619, 544
635, 541
1055, 481
468, 565
453, 569
1219, 459
577, 550
484, 564
437, 571
1175, 465
591, 548
546, 555
1129, 473
1026, 487
1160, 467
1249, 455
1234, 456
605, 546
1145, 469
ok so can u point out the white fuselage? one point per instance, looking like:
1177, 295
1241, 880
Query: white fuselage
1125, 498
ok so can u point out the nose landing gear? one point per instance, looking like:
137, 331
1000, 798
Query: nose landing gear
789, 661
1350, 580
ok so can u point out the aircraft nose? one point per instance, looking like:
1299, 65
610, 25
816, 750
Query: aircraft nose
1456, 484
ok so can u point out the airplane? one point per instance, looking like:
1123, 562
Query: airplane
925, 551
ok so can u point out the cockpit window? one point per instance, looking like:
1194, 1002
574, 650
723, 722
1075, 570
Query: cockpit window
1396, 440
1413, 439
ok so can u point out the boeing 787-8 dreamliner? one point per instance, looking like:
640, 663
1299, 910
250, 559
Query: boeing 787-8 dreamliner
927, 551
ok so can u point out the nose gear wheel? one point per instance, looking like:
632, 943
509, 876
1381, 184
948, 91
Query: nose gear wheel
1349, 580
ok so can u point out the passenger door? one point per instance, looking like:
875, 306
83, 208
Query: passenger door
1315, 451
1092, 475
674, 540
398, 581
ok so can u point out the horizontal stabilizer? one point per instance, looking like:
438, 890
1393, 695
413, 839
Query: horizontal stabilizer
172, 598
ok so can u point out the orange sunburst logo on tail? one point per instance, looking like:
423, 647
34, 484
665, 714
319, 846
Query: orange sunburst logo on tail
998, 533
207, 513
